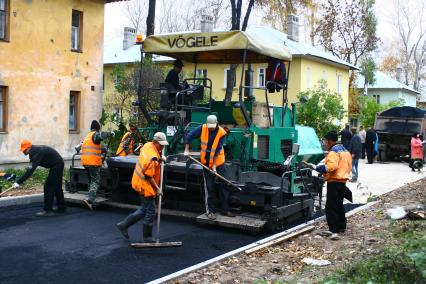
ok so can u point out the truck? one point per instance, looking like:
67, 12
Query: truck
395, 127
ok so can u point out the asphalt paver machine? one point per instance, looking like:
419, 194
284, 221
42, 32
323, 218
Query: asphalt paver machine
264, 147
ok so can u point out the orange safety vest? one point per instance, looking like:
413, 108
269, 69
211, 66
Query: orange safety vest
122, 151
148, 165
91, 153
220, 159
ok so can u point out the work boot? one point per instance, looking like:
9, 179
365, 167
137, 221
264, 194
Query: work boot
45, 213
121, 226
211, 216
147, 234
335, 237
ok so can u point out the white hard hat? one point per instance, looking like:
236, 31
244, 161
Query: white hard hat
211, 121
161, 138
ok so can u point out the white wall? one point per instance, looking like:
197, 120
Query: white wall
387, 96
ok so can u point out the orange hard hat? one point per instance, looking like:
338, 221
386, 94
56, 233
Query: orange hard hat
25, 145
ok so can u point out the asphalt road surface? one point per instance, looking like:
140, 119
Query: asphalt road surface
85, 247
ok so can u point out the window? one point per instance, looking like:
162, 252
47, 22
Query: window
202, 73
227, 74
339, 84
74, 111
76, 30
3, 108
377, 97
261, 78
353, 122
308, 77
4, 19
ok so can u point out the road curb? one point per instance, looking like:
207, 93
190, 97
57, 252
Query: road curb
206, 263
20, 200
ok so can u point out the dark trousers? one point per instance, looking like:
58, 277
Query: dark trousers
334, 210
363, 151
209, 184
146, 211
53, 188
369, 147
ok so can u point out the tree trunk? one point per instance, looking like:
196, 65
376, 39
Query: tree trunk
150, 23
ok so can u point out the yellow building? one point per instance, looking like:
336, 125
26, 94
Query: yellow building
51, 66
308, 66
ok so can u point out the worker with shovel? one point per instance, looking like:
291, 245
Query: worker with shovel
146, 181
212, 155
49, 158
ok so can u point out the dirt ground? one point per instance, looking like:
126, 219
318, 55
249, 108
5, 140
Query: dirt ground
366, 236
23, 191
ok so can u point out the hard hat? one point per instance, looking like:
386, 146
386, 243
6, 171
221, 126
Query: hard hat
25, 145
161, 138
211, 121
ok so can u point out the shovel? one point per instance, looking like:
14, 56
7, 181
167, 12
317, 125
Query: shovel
215, 173
157, 243
9, 189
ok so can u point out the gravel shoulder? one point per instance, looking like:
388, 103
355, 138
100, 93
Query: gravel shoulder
367, 235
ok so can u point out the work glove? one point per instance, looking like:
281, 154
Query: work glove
310, 165
214, 168
15, 185
163, 158
159, 192
112, 134
186, 153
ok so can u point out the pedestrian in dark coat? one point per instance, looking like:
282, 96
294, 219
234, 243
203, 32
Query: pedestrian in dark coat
356, 150
345, 137
370, 140
49, 158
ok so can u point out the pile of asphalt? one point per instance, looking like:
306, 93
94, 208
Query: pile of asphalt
85, 247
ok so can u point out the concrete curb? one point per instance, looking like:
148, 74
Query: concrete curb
21, 200
249, 246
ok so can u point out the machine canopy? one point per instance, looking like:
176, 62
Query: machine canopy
216, 47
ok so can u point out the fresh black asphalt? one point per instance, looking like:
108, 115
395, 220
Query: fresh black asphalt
85, 247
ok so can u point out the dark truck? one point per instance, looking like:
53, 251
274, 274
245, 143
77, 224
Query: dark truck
395, 128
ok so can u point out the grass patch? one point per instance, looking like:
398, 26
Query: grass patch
37, 179
404, 262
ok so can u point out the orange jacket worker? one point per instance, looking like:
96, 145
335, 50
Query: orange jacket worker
146, 181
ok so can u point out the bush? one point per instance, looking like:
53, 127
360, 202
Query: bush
323, 111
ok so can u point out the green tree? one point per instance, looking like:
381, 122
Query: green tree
323, 111
369, 107
368, 68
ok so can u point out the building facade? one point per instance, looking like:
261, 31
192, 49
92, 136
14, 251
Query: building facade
51, 66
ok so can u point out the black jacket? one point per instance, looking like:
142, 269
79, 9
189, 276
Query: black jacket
370, 137
356, 147
345, 138
43, 156
173, 79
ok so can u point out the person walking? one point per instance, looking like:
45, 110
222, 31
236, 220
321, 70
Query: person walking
46, 157
91, 159
146, 182
212, 155
345, 137
362, 135
370, 140
356, 150
336, 169
416, 152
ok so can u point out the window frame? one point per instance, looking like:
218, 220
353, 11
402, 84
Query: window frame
339, 78
80, 31
76, 128
4, 94
264, 77
7, 22
203, 75
377, 98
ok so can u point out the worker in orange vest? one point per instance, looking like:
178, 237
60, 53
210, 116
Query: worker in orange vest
91, 159
146, 181
127, 144
212, 155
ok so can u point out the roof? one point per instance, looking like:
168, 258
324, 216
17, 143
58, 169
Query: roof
297, 49
383, 81
215, 47
114, 53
